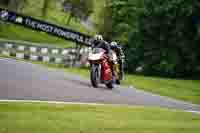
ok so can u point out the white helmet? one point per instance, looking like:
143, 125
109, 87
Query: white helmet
98, 37
113, 44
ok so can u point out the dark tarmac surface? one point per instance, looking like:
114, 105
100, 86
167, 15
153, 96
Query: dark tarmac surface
25, 81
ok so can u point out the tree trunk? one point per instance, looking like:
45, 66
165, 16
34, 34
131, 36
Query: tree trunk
45, 8
4, 2
16, 5
13, 5
69, 19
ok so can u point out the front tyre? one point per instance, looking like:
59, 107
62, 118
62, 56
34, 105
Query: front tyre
109, 85
94, 75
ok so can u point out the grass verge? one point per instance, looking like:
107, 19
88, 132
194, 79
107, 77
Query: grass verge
187, 90
59, 118
14, 32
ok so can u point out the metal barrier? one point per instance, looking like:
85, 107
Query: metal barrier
44, 53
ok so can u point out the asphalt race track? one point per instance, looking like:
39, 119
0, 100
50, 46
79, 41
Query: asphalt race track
25, 81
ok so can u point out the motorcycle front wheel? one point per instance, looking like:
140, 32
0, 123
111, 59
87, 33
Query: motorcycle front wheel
95, 75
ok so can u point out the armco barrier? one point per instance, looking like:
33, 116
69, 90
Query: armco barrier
44, 53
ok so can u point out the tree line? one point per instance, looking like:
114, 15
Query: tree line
161, 37
79, 9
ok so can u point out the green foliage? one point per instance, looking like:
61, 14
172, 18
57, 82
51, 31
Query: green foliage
125, 15
104, 25
166, 42
81, 9
162, 36
119, 18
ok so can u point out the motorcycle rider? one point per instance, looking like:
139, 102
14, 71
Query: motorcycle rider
98, 42
120, 55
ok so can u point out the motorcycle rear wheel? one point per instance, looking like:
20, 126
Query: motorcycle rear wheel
118, 82
109, 85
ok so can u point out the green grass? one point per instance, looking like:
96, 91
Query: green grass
187, 90
14, 32
54, 15
59, 118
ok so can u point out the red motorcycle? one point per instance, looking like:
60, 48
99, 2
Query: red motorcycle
100, 68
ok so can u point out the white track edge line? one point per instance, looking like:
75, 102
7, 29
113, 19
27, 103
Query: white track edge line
66, 103
80, 103
193, 111
54, 102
